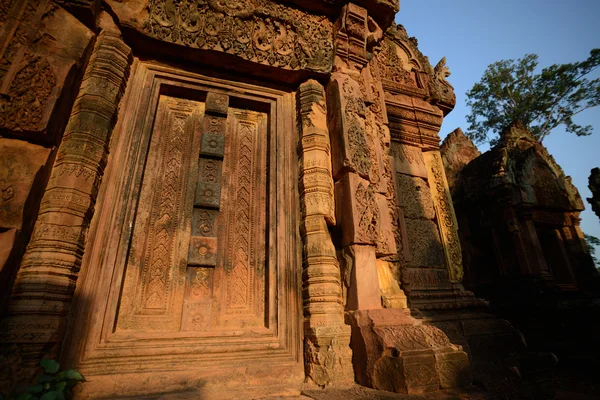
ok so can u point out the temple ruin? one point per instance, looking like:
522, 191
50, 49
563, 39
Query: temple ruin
523, 249
227, 196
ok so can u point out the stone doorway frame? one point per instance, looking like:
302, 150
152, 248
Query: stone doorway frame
89, 344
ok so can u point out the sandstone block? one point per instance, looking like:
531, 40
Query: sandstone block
21, 178
44, 50
394, 352
364, 214
364, 293
408, 160
424, 243
414, 197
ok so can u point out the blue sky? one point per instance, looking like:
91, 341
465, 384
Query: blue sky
472, 34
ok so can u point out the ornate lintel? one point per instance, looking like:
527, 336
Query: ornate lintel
260, 31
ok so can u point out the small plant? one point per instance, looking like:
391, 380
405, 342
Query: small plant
54, 384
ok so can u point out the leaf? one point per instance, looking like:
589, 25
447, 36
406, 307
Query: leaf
24, 396
49, 396
45, 378
60, 387
73, 374
50, 366
35, 388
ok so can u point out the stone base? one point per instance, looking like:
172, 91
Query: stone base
327, 356
395, 352
500, 360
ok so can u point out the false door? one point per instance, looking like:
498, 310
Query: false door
197, 261
192, 257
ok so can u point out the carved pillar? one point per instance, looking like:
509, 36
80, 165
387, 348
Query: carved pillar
327, 338
446, 218
359, 136
46, 280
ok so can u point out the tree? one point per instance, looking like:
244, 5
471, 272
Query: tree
592, 242
510, 90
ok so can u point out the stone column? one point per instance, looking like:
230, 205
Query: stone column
44, 287
327, 338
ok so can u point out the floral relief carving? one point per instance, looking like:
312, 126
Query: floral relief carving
446, 218
367, 209
390, 65
28, 95
256, 30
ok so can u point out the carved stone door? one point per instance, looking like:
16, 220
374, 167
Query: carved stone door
192, 255
197, 256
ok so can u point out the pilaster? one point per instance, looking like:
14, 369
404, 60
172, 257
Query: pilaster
327, 339
44, 286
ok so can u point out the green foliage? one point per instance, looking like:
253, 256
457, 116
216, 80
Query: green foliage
510, 90
54, 384
592, 242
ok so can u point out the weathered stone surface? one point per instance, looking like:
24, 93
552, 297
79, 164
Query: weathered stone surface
457, 150
424, 244
22, 175
85, 10
394, 352
364, 292
414, 197
44, 45
594, 185
391, 294
408, 160
407, 72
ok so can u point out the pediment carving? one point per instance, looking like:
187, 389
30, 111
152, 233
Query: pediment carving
405, 70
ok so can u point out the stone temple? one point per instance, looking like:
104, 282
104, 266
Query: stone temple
232, 198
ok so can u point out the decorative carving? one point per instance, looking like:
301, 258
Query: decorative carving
405, 70
45, 283
327, 352
446, 219
154, 267
261, 31
243, 246
26, 100
368, 220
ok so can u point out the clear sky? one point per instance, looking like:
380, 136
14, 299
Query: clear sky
472, 34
